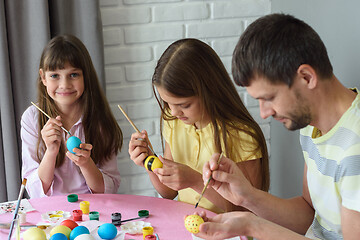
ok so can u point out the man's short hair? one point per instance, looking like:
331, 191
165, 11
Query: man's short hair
274, 46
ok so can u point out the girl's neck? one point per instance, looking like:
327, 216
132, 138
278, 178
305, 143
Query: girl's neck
202, 124
70, 115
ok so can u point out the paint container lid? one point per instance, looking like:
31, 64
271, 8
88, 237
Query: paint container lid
72, 198
143, 213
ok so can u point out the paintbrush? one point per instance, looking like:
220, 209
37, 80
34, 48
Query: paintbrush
49, 117
203, 191
136, 129
22, 189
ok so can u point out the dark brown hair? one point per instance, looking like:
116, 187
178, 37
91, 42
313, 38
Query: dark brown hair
100, 127
189, 67
274, 46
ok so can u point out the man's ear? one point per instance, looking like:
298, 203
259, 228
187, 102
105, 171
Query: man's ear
42, 75
308, 75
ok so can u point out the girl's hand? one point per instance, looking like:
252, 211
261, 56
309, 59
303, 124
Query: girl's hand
51, 134
227, 179
82, 156
176, 176
138, 147
225, 225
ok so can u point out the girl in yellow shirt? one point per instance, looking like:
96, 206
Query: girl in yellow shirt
201, 114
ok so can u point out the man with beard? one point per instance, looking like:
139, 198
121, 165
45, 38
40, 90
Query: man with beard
283, 63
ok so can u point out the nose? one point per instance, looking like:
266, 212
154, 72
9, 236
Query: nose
175, 111
266, 109
65, 82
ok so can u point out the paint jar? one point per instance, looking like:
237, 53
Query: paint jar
77, 215
85, 207
147, 231
94, 215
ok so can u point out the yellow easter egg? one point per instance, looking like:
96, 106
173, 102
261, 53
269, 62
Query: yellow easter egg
34, 234
192, 223
152, 162
61, 229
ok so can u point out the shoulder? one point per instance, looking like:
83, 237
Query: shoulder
241, 131
30, 114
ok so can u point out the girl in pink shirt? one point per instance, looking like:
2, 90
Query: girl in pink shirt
69, 91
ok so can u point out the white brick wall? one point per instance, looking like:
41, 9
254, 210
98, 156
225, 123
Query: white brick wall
136, 32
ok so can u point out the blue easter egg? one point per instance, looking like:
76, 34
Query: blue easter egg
73, 142
59, 236
78, 231
107, 231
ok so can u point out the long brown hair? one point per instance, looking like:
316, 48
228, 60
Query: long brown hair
100, 127
189, 67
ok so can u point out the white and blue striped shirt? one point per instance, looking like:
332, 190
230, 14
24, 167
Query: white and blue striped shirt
333, 172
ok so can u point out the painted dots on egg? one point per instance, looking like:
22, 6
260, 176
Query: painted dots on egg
192, 223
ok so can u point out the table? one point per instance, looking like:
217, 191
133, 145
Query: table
166, 216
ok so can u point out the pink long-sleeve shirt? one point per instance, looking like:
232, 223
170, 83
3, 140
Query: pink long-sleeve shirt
67, 178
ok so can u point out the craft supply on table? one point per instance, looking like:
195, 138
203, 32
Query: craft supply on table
72, 198
22, 217
59, 236
85, 207
61, 229
34, 233
94, 215
147, 231
21, 193
55, 216
107, 231
116, 219
134, 227
69, 223
9, 207
78, 231
77, 215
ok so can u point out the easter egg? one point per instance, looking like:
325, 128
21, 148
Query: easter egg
107, 231
58, 236
73, 142
69, 223
192, 223
84, 237
34, 234
79, 230
152, 162
61, 229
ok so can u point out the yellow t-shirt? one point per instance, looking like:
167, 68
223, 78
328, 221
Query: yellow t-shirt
194, 147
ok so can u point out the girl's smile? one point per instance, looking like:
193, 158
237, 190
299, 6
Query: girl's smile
65, 86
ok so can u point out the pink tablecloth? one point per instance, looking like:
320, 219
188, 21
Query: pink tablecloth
166, 216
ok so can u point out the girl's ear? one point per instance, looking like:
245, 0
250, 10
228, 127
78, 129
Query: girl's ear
308, 75
42, 75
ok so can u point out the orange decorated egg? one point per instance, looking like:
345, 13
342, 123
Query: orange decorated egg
69, 223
